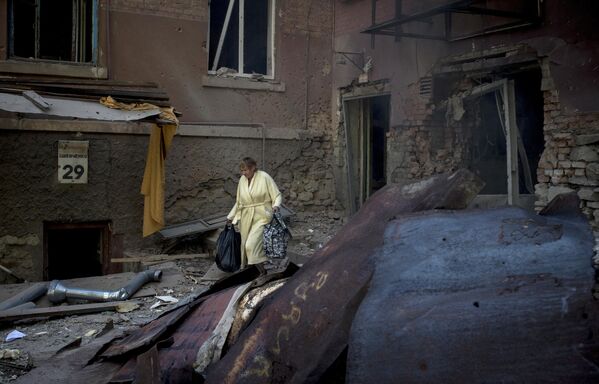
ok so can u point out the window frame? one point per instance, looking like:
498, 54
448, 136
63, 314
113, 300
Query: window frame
270, 48
95, 69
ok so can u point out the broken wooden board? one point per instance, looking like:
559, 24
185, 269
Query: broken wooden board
301, 330
62, 310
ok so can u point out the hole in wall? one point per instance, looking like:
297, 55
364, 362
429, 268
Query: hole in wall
73, 250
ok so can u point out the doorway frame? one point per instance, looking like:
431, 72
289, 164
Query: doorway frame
359, 95
105, 228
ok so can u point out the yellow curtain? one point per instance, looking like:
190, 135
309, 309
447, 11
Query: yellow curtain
152, 186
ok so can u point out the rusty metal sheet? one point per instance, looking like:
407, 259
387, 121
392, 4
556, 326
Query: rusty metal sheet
304, 326
483, 296
176, 359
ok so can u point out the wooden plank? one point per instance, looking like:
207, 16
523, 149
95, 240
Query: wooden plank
152, 258
37, 100
63, 310
509, 102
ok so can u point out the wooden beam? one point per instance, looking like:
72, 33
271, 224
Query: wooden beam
63, 310
37, 100
509, 101
152, 258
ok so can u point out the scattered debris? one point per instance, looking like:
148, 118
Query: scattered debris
11, 354
127, 306
91, 333
168, 299
14, 335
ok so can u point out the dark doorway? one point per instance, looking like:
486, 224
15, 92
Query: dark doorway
490, 156
75, 250
367, 124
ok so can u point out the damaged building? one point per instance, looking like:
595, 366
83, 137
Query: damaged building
261, 90
334, 99
503, 88
452, 144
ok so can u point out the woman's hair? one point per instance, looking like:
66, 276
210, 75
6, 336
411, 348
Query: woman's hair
247, 163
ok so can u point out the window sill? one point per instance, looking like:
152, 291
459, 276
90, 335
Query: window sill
53, 69
242, 83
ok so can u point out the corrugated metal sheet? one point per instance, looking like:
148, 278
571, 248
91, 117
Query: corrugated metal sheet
71, 108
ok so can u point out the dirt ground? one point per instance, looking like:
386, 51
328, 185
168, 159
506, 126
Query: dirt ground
44, 338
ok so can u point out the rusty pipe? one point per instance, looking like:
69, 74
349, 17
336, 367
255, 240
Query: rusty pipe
58, 292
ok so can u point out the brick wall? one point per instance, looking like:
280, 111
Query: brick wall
570, 161
179, 9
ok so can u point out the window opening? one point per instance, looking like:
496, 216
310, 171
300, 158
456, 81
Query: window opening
240, 36
61, 30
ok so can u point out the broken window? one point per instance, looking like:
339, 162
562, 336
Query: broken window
61, 30
241, 36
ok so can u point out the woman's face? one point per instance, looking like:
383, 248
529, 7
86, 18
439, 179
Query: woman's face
248, 172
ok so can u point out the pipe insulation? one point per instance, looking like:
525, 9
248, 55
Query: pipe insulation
58, 292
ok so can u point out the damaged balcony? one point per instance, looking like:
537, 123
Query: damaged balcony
456, 20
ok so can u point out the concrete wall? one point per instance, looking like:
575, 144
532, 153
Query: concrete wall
422, 141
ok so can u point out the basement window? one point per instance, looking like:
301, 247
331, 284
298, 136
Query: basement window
56, 30
241, 37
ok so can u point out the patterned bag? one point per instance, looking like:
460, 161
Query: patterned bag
276, 236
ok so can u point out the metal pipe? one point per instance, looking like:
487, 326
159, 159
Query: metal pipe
57, 292
29, 294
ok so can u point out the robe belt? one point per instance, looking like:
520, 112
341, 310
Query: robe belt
253, 205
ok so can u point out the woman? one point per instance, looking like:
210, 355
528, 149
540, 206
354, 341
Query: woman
257, 199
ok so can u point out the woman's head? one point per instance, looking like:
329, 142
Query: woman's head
248, 167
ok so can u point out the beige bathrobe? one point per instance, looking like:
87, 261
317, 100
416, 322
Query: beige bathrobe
252, 211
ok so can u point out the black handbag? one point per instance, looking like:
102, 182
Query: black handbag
228, 249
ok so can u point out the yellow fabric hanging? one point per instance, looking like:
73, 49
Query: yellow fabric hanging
152, 186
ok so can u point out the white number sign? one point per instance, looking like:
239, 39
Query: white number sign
72, 161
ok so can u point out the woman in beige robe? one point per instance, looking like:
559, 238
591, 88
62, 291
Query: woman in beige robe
257, 198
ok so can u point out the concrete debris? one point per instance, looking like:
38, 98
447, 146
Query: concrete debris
168, 299
11, 354
127, 306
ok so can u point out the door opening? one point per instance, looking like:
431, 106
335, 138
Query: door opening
507, 141
366, 126
74, 250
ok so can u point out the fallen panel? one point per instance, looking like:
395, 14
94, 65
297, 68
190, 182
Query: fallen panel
204, 225
304, 326
71, 108
493, 296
